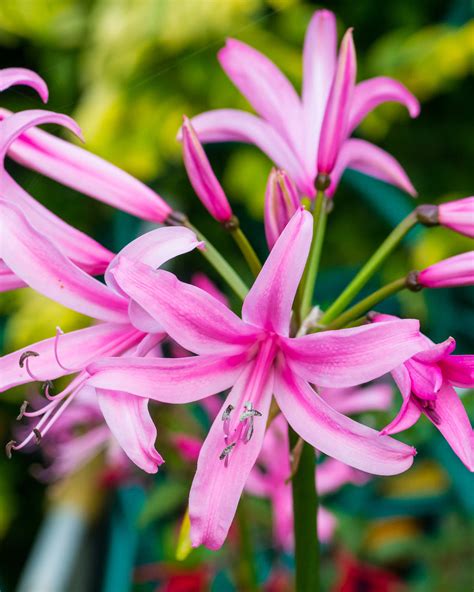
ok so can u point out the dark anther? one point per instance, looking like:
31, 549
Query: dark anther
227, 412
38, 435
231, 224
227, 450
371, 315
176, 219
23, 407
412, 281
25, 355
47, 387
427, 214
9, 447
322, 182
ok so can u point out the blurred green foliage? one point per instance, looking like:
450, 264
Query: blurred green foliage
128, 70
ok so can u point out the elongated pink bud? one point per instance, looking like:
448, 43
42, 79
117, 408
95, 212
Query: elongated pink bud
281, 202
458, 215
335, 125
202, 177
455, 271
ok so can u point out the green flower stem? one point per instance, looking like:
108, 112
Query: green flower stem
247, 573
311, 270
222, 267
247, 250
305, 512
369, 269
367, 304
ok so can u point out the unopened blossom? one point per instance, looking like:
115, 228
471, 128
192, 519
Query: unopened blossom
310, 134
121, 328
458, 215
257, 358
455, 271
281, 202
202, 177
426, 383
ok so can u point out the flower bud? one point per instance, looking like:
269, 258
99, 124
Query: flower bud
455, 271
202, 177
458, 215
281, 202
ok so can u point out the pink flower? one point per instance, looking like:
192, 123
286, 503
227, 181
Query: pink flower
257, 358
426, 383
20, 76
121, 328
455, 271
458, 215
202, 177
281, 202
308, 135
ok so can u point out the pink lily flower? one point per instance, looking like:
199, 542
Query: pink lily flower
308, 135
202, 177
281, 202
426, 383
257, 358
119, 331
458, 215
23, 77
271, 479
455, 271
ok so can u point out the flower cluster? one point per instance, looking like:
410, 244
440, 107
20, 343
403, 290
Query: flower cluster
277, 360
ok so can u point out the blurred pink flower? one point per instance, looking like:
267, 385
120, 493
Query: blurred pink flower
256, 356
122, 328
308, 135
426, 383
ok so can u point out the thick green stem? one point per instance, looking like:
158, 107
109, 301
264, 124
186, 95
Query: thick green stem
305, 512
311, 271
367, 304
369, 269
247, 573
222, 267
247, 250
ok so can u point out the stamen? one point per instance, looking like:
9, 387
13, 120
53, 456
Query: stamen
60, 332
225, 453
9, 448
23, 407
248, 433
226, 420
25, 363
38, 436
46, 389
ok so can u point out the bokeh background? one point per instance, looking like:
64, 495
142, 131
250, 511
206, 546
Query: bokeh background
127, 71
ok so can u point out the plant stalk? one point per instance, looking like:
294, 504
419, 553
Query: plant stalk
247, 250
305, 513
247, 569
367, 304
369, 269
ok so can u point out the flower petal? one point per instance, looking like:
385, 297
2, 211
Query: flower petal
192, 317
35, 259
129, 421
8, 280
21, 76
458, 215
268, 304
371, 160
436, 352
335, 434
154, 248
376, 397
218, 483
332, 474
451, 419
232, 125
265, 87
167, 380
409, 412
77, 168
371, 93
319, 65
334, 128
74, 350
346, 357
459, 370
455, 271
